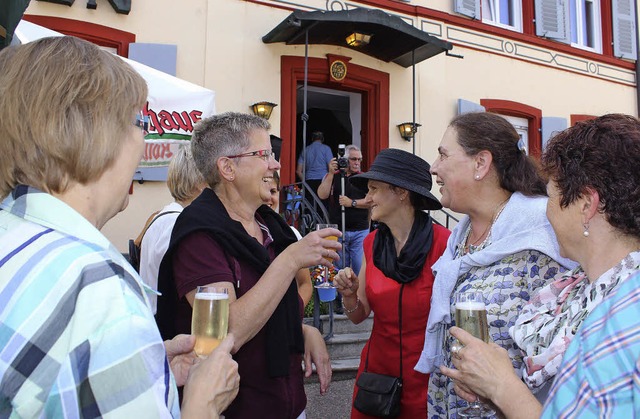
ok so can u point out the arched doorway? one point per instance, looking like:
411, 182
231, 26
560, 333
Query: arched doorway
372, 85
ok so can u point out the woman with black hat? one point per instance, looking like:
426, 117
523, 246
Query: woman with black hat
395, 279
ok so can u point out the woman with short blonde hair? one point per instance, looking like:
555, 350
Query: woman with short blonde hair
67, 105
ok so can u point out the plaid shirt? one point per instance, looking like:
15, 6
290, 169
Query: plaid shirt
600, 373
77, 337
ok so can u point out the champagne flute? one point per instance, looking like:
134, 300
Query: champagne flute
324, 283
210, 319
471, 315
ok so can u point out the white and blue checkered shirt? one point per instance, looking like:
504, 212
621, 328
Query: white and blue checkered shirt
77, 337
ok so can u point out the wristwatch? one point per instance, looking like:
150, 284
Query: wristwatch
354, 203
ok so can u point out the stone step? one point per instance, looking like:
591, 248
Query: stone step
347, 345
342, 324
341, 369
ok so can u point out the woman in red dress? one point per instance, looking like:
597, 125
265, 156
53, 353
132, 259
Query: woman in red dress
396, 268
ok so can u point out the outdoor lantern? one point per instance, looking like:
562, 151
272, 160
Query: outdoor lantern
358, 39
408, 130
263, 109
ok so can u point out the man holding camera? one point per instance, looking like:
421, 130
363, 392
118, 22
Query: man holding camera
346, 197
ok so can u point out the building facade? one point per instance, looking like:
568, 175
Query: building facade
544, 64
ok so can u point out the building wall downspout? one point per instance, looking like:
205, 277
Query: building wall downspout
637, 59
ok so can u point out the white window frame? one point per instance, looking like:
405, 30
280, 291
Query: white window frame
521, 126
577, 25
494, 5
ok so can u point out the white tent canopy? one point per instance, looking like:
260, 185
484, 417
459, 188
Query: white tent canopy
173, 106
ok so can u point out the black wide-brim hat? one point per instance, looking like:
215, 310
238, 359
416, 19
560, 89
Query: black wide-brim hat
402, 169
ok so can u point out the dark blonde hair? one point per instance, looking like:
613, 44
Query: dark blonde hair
184, 180
67, 107
517, 172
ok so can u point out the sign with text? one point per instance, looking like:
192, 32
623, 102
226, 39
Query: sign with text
174, 106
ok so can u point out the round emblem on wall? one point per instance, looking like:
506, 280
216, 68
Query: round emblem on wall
338, 70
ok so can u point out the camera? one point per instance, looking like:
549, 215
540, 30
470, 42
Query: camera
343, 162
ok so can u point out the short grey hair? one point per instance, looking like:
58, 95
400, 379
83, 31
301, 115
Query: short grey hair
222, 135
349, 148
184, 179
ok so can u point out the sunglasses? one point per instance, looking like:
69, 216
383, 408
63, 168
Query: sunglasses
142, 122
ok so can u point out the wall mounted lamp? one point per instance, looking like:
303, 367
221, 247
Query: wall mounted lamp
263, 109
408, 130
358, 39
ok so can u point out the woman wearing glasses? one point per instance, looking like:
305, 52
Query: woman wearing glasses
227, 237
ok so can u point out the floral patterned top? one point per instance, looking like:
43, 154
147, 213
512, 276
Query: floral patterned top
507, 285
551, 319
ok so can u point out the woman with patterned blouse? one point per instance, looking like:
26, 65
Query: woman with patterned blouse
594, 208
503, 247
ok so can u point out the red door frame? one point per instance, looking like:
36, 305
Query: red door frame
372, 84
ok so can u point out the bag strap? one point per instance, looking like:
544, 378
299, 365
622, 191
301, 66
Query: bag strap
138, 241
366, 362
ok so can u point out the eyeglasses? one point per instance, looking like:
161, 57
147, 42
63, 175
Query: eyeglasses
355, 158
263, 154
142, 122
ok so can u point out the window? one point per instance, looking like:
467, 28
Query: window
503, 13
585, 24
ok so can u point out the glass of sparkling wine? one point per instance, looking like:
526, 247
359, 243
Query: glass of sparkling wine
210, 319
471, 315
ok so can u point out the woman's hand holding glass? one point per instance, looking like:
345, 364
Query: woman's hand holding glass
482, 368
316, 248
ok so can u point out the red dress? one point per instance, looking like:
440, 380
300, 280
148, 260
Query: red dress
384, 356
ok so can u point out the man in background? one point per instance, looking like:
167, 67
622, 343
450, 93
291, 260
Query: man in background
313, 163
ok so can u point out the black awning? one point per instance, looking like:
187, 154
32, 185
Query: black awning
392, 38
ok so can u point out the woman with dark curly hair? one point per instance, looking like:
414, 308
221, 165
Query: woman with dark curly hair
594, 208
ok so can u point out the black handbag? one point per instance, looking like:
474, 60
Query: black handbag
378, 394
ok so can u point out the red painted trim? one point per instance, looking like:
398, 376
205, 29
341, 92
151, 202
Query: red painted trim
575, 118
528, 36
98, 34
606, 16
528, 17
372, 84
534, 115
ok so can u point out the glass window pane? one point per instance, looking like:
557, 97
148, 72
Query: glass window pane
505, 12
589, 22
574, 22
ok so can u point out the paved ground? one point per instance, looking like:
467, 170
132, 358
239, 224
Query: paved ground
336, 404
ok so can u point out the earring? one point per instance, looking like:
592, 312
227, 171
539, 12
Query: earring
477, 177
586, 230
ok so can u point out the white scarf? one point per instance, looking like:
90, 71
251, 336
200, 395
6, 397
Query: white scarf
523, 225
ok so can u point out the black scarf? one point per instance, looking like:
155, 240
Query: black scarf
406, 267
207, 213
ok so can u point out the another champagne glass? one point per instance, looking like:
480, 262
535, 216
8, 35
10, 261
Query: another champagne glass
326, 290
210, 319
471, 315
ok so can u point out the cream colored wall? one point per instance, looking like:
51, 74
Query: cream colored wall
220, 47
